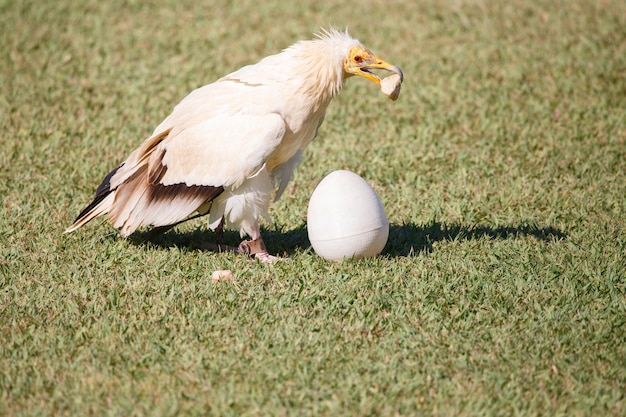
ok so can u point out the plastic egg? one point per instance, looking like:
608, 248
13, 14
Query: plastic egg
345, 218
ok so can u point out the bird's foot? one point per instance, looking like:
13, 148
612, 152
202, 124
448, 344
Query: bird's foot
266, 258
256, 249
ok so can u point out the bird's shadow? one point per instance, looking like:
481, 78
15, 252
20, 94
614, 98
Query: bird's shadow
404, 239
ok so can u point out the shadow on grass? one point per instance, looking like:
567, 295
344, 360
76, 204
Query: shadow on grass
408, 239
277, 241
404, 240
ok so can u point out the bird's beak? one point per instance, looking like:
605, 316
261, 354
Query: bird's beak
361, 61
377, 64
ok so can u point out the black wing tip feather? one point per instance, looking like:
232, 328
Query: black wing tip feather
103, 190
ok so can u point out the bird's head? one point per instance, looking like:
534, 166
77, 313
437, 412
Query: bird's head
321, 65
361, 61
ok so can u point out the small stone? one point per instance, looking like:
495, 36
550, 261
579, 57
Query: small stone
222, 275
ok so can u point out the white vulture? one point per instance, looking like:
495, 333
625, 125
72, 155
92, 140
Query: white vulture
228, 146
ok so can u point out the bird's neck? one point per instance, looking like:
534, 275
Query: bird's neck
317, 74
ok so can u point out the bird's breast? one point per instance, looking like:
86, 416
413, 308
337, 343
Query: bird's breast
298, 135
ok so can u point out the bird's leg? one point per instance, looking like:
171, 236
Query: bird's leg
252, 247
219, 246
219, 232
255, 247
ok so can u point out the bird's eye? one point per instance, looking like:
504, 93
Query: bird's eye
358, 58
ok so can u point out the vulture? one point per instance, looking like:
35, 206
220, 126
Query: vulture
230, 147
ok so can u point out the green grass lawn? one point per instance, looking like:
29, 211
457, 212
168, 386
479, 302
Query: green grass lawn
502, 168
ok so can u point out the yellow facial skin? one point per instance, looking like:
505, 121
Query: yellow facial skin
361, 61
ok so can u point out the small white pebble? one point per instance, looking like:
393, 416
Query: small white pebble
222, 275
390, 86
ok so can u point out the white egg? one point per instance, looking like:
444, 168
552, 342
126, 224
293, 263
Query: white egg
345, 218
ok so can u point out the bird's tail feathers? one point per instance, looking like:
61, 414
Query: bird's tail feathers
91, 212
133, 167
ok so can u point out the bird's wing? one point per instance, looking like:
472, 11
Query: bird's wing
210, 142
191, 166
221, 151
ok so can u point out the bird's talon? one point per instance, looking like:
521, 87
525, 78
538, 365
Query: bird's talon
252, 247
256, 249
266, 258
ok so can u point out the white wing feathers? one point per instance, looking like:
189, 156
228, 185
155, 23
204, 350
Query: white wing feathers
184, 171
204, 147
222, 151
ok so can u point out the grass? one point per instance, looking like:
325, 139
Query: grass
502, 167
